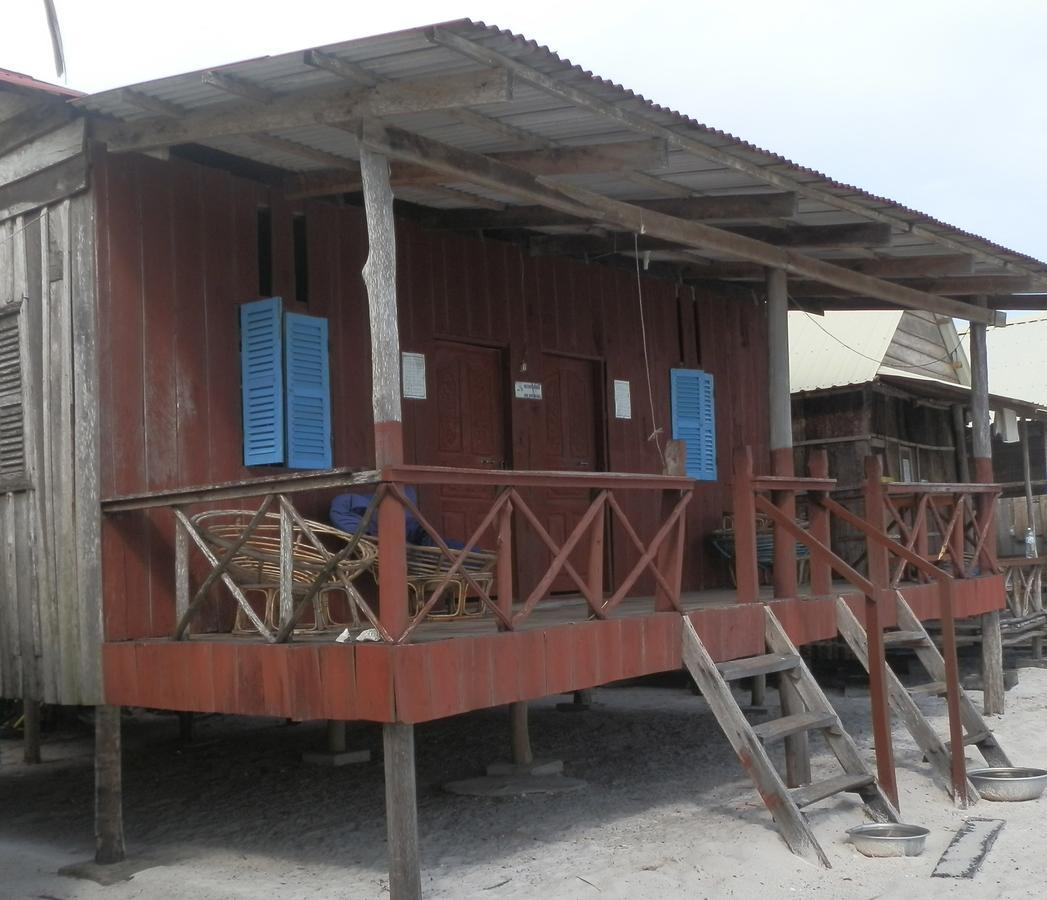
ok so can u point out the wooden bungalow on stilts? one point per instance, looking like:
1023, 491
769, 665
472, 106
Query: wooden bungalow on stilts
561, 283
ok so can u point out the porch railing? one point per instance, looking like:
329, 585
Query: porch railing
775, 498
659, 555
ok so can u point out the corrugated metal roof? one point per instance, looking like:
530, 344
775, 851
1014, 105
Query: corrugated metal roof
411, 54
1016, 355
856, 347
28, 83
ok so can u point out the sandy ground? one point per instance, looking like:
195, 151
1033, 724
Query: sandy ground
667, 812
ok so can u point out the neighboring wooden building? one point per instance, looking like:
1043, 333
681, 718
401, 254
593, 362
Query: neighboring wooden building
570, 278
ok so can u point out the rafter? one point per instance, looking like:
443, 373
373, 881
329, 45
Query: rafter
333, 106
961, 286
553, 161
238, 87
350, 71
719, 208
477, 169
151, 104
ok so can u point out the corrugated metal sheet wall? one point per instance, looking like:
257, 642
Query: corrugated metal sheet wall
178, 252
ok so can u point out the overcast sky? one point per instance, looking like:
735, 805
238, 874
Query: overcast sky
938, 104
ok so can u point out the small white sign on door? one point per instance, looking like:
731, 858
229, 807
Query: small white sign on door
528, 390
623, 401
413, 376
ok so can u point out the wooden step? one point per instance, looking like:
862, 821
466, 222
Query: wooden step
812, 793
757, 665
901, 638
972, 739
787, 726
932, 687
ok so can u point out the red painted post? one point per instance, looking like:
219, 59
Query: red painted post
595, 572
504, 572
746, 571
821, 571
670, 555
784, 546
879, 575
946, 587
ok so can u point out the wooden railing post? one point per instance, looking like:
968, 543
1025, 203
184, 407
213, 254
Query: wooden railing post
820, 526
286, 561
504, 572
392, 569
879, 575
670, 554
746, 571
596, 544
181, 568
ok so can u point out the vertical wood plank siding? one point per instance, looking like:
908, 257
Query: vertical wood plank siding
178, 253
50, 569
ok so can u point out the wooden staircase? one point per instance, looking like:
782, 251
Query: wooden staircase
912, 634
809, 710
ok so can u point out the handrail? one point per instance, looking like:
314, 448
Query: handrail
290, 483
940, 487
411, 474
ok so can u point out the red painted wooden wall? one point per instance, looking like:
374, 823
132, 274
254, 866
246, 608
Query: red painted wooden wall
177, 254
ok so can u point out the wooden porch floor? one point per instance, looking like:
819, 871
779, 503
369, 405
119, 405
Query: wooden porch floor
459, 665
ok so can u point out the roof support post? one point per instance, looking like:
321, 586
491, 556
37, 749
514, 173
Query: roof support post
401, 811
379, 274
781, 424
109, 806
981, 447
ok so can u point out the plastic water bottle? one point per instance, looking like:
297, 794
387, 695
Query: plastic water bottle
1030, 544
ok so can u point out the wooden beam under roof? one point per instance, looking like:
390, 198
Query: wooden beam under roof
238, 87
283, 145
883, 267
640, 121
332, 106
960, 286
718, 208
552, 161
510, 180
151, 104
350, 71
792, 237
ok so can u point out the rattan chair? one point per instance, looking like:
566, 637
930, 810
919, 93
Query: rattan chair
256, 565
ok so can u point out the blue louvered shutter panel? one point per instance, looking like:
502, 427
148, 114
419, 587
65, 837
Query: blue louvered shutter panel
261, 381
308, 393
694, 420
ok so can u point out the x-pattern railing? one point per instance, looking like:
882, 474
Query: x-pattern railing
963, 519
659, 556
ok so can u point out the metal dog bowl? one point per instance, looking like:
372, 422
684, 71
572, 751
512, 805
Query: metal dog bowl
1009, 783
888, 839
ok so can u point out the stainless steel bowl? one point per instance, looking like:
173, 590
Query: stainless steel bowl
888, 839
1009, 783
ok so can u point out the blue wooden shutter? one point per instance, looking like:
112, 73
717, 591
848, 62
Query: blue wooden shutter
308, 393
262, 381
694, 420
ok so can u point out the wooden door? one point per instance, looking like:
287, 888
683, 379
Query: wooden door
466, 429
568, 441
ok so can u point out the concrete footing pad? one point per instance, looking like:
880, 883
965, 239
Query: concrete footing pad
537, 767
110, 874
326, 758
514, 785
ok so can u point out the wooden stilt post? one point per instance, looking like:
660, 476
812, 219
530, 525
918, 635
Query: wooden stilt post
401, 812
31, 731
336, 736
185, 727
797, 746
981, 450
521, 736
109, 812
781, 425
379, 272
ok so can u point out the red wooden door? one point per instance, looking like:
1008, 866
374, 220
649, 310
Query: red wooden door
467, 429
569, 442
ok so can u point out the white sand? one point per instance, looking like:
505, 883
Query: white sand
667, 813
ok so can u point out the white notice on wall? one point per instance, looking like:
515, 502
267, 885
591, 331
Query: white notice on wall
528, 390
414, 376
623, 401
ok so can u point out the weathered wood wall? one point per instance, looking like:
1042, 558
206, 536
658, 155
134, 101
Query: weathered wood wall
50, 574
178, 252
